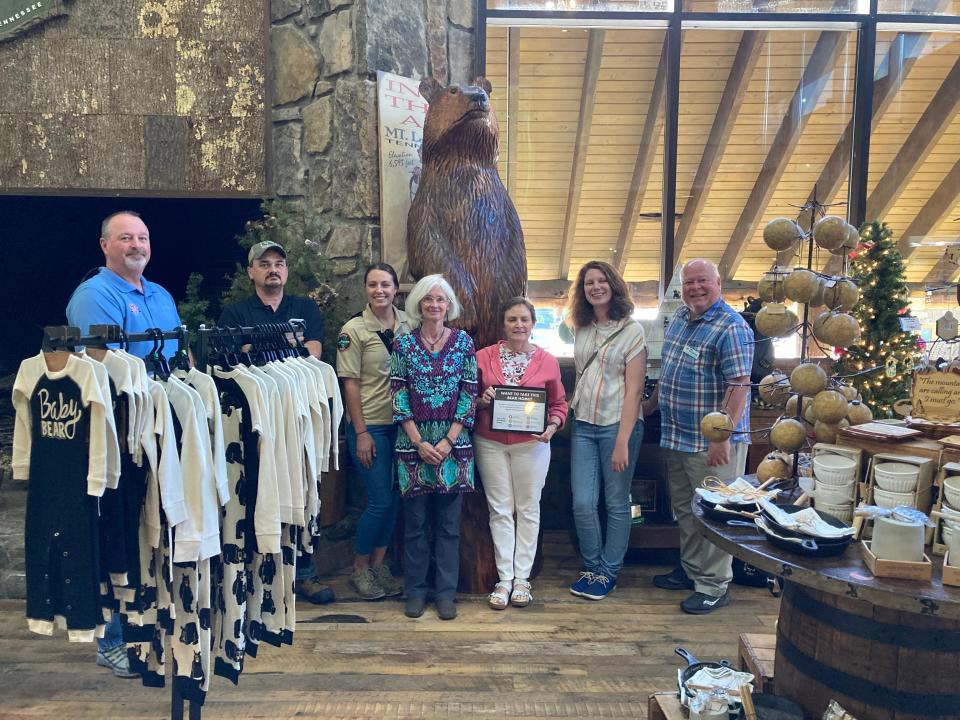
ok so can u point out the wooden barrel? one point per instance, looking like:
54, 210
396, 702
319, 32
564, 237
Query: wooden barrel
879, 664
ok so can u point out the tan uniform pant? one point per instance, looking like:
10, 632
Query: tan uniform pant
708, 566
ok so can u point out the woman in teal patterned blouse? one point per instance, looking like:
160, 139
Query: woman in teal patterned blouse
433, 379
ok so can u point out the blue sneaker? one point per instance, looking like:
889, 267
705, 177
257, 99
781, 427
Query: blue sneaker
580, 586
599, 588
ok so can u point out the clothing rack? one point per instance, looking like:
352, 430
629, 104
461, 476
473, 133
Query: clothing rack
209, 341
68, 337
210, 338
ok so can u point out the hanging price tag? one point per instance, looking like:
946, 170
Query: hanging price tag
909, 324
891, 367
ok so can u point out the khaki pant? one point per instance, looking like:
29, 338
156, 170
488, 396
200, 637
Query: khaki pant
708, 566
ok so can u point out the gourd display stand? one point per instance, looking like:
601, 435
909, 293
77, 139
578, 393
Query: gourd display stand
812, 400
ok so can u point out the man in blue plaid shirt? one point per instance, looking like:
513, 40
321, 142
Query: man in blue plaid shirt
705, 366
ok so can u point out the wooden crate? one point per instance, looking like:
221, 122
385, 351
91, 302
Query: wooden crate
665, 705
919, 571
756, 655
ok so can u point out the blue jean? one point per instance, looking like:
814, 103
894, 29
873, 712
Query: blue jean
112, 635
590, 460
379, 517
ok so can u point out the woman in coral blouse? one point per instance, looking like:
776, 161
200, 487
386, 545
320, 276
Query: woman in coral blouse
513, 466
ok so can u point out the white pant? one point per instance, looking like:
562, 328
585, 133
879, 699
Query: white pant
513, 477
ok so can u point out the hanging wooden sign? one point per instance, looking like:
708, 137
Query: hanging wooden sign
936, 396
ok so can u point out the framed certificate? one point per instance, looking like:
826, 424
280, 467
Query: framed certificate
519, 409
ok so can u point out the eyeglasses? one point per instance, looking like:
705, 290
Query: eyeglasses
388, 335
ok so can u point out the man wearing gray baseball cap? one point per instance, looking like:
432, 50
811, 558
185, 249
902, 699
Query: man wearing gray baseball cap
267, 268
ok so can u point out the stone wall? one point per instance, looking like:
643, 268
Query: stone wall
325, 56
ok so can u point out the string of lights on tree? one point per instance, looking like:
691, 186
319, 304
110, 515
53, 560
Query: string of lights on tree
877, 267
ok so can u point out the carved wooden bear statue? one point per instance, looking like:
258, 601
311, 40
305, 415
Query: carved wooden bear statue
462, 223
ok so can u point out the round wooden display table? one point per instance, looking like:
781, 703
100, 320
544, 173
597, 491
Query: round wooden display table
884, 649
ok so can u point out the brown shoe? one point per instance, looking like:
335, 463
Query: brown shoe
314, 591
390, 585
366, 585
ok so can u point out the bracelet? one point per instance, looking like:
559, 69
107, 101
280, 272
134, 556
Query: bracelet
363, 432
449, 441
554, 423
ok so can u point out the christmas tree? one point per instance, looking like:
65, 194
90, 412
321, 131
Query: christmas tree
877, 267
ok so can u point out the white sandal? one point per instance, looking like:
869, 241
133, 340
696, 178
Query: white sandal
521, 596
500, 597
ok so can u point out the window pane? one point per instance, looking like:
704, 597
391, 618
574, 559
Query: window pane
914, 177
581, 148
592, 5
919, 7
761, 113
777, 6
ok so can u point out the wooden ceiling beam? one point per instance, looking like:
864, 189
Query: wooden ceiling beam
588, 96
891, 72
922, 139
646, 153
513, 107
815, 77
748, 53
934, 212
944, 272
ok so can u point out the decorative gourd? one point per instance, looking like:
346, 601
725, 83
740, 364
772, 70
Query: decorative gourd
830, 232
842, 296
791, 409
781, 233
849, 392
716, 426
788, 435
859, 413
773, 466
801, 285
839, 330
819, 297
817, 325
808, 379
827, 432
850, 243
775, 320
770, 287
829, 406
775, 388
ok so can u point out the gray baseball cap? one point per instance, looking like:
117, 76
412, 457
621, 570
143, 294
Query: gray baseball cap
257, 251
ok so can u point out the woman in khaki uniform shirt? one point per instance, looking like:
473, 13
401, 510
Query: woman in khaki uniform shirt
363, 364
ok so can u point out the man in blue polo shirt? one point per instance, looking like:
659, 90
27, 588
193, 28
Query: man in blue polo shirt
119, 295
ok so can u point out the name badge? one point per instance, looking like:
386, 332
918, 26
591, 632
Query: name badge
691, 352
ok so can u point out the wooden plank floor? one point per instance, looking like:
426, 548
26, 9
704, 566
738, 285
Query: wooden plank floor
562, 657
